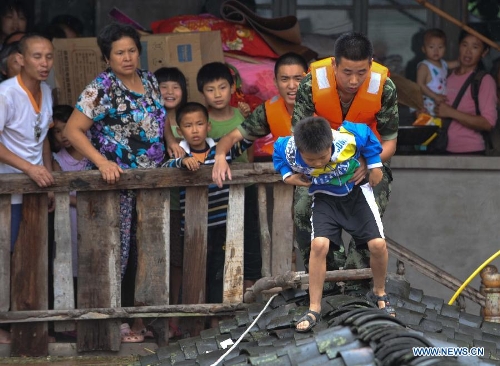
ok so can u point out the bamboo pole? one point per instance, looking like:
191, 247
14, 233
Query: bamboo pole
457, 22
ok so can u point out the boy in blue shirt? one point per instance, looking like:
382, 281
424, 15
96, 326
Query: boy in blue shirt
324, 160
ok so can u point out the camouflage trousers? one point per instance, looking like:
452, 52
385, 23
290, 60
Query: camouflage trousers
358, 255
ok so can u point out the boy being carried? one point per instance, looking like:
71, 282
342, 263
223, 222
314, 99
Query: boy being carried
192, 119
324, 160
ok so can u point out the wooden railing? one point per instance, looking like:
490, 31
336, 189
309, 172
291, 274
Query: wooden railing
24, 275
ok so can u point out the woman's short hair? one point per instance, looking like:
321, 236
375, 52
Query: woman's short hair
114, 32
481, 28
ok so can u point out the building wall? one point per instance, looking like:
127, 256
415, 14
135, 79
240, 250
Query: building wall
446, 210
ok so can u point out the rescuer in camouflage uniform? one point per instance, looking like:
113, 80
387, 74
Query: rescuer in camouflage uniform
387, 123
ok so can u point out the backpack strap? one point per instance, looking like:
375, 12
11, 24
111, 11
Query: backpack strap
474, 89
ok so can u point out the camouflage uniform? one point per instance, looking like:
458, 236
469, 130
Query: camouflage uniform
255, 125
387, 126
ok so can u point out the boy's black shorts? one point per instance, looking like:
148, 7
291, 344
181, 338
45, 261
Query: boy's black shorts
356, 213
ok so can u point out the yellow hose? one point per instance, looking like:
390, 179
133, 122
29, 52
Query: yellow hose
471, 277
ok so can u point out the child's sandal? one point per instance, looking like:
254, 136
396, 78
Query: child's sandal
388, 309
308, 318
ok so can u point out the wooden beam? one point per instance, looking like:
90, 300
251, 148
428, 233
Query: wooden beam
195, 251
297, 279
98, 268
265, 236
153, 245
5, 252
153, 311
91, 180
282, 236
233, 267
29, 290
64, 292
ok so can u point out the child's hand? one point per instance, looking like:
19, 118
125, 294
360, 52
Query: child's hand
440, 99
375, 176
244, 109
175, 150
191, 163
298, 179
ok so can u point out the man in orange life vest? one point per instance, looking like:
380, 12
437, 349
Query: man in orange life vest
274, 116
349, 86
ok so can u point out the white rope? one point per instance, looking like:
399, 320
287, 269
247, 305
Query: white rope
244, 334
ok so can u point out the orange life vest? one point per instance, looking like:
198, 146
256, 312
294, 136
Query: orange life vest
366, 103
279, 120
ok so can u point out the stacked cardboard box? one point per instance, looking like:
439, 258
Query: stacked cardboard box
78, 60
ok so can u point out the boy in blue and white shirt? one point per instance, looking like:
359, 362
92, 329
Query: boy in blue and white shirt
325, 160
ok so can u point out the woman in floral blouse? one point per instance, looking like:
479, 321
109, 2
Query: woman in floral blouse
123, 110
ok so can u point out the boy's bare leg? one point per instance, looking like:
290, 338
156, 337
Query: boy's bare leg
378, 263
317, 272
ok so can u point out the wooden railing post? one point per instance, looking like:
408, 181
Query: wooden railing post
29, 289
5, 252
195, 252
282, 237
234, 266
98, 268
64, 292
153, 245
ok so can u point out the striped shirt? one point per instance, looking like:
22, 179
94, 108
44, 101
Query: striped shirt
218, 198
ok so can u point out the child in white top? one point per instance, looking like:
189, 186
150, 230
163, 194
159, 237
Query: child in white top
432, 72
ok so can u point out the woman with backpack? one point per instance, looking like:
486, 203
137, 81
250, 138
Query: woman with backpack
471, 99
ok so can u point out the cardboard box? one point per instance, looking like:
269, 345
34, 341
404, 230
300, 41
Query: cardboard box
78, 60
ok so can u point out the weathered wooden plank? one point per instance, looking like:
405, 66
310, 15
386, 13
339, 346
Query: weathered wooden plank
29, 290
153, 311
139, 178
233, 268
5, 252
195, 252
98, 268
195, 245
64, 295
153, 245
265, 236
282, 236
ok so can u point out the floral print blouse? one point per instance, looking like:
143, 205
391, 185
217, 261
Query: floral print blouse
128, 126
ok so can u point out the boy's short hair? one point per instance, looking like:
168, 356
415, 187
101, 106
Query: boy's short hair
313, 135
434, 33
353, 46
190, 107
211, 72
290, 58
164, 74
